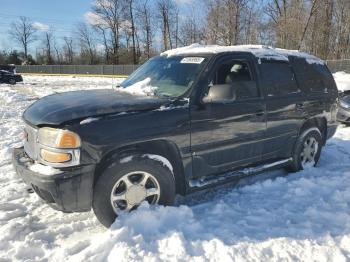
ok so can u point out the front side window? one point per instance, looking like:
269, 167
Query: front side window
238, 74
278, 78
167, 76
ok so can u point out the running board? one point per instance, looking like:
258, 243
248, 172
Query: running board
215, 179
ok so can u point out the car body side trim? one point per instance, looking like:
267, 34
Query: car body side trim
248, 171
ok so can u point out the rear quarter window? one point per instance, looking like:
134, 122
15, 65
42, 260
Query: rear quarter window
312, 78
278, 78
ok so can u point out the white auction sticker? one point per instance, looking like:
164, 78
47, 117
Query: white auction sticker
192, 60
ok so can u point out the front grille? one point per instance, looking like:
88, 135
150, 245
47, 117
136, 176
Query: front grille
30, 144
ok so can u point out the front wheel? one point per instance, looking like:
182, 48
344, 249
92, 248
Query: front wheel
124, 185
307, 150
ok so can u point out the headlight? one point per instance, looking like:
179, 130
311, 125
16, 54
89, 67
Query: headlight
58, 147
343, 104
58, 138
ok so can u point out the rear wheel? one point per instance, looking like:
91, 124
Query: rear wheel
307, 150
122, 187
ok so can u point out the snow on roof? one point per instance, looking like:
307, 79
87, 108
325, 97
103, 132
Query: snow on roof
260, 51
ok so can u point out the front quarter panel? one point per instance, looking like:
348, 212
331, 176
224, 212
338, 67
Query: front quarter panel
107, 134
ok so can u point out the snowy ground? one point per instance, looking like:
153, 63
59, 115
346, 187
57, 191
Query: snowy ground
303, 216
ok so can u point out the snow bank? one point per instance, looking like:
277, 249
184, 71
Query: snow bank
259, 51
304, 216
343, 80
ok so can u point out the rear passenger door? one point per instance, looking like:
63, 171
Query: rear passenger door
284, 107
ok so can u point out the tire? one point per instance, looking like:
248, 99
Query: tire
12, 81
113, 183
300, 162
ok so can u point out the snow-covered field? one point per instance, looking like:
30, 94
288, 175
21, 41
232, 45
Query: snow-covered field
304, 216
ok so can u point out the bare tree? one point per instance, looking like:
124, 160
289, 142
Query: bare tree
103, 31
133, 30
313, 10
145, 24
58, 53
24, 33
277, 10
48, 39
86, 43
224, 21
342, 20
167, 15
68, 50
110, 13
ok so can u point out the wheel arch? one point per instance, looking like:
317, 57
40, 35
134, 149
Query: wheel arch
163, 148
319, 122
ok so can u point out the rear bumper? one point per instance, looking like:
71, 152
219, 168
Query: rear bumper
68, 190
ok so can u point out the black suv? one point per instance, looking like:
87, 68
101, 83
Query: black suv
189, 119
8, 77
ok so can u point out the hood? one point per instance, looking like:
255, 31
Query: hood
59, 108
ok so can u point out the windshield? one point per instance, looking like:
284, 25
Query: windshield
166, 76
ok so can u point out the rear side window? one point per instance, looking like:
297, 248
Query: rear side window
278, 78
312, 78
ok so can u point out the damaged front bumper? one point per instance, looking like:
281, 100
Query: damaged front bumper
66, 189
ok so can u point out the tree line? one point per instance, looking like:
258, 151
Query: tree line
130, 31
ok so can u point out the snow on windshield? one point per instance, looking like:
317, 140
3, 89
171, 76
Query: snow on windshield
142, 87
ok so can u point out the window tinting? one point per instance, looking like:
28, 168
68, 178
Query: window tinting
278, 78
239, 76
312, 77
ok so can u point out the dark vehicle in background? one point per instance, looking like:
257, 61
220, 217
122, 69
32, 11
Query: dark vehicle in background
7, 77
212, 115
9, 68
344, 107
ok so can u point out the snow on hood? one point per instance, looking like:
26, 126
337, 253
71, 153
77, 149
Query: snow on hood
260, 51
343, 80
142, 87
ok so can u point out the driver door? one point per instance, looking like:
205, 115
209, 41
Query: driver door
228, 134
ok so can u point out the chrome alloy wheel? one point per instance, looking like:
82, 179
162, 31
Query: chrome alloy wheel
308, 154
133, 188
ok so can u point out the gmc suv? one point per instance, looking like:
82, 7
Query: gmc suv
189, 119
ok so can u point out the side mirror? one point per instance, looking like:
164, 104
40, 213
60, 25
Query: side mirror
220, 94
